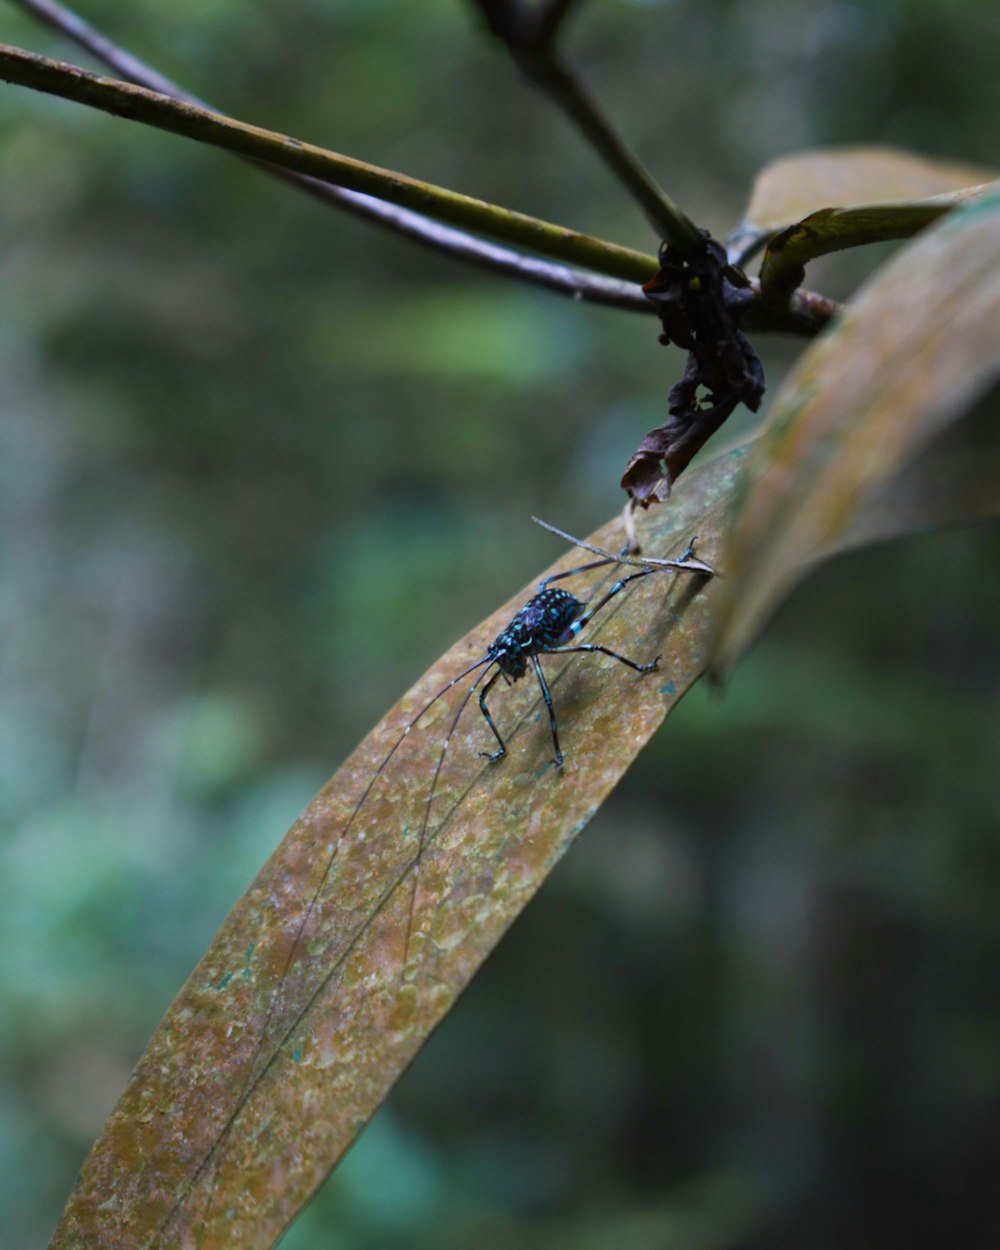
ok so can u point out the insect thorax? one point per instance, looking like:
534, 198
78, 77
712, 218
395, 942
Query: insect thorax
540, 624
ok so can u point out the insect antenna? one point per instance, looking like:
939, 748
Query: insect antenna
253, 1074
538, 640
422, 839
345, 834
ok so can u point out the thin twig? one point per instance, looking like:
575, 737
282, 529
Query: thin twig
808, 314
588, 288
690, 565
530, 40
178, 116
551, 17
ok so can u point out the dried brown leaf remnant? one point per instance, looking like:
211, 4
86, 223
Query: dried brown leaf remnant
699, 303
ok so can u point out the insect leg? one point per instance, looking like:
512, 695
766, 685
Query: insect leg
593, 646
558, 761
584, 568
688, 552
617, 588
494, 755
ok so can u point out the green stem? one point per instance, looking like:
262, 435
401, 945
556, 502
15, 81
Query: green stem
835, 229
154, 109
670, 223
529, 35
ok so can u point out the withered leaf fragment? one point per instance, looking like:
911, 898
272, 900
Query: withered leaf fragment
699, 301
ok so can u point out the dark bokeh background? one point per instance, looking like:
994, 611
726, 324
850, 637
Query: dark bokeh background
260, 465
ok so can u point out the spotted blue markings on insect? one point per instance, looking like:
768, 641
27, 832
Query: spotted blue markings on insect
546, 625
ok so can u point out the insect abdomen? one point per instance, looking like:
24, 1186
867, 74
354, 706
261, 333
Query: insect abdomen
547, 616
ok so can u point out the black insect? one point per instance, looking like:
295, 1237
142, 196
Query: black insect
548, 624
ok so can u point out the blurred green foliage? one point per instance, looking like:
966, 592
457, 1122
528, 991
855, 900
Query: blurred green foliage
260, 465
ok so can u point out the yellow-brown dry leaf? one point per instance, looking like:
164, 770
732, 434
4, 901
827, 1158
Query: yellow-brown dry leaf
908, 359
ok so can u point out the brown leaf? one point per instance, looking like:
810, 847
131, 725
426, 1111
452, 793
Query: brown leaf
298, 1020
906, 361
665, 452
953, 481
